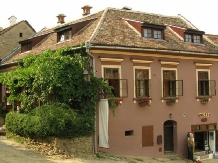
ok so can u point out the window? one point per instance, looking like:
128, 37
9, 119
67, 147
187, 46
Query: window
188, 38
171, 86
193, 38
153, 33
26, 47
119, 86
129, 133
206, 87
64, 35
142, 83
21, 34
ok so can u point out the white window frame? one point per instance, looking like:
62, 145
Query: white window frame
197, 70
165, 68
112, 66
140, 67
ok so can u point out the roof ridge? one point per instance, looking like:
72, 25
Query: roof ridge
142, 12
95, 32
209, 40
187, 21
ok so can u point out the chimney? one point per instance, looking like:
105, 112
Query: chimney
61, 18
12, 20
1, 29
126, 8
86, 10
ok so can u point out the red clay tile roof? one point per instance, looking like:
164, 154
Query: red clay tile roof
111, 29
213, 38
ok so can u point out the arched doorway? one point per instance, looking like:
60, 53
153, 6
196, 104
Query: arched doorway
169, 136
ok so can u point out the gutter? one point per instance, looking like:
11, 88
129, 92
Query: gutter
153, 50
87, 46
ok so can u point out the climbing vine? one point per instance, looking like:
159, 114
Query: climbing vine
54, 77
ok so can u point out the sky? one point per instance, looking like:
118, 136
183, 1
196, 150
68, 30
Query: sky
42, 13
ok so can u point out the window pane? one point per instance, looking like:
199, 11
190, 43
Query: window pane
169, 83
147, 33
196, 39
157, 34
203, 83
142, 82
112, 74
188, 38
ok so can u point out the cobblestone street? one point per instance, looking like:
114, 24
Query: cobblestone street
13, 152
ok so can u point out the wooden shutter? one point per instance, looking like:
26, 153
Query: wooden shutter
147, 136
212, 85
123, 88
179, 85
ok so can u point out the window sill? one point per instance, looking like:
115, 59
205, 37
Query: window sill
139, 98
154, 39
193, 43
203, 97
62, 41
167, 98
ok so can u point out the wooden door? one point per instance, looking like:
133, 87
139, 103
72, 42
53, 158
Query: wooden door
168, 137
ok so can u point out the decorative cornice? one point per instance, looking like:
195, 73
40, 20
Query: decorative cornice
111, 59
141, 61
203, 64
168, 63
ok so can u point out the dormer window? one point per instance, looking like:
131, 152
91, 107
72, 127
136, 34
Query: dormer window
26, 47
193, 36
153, 31
64, 33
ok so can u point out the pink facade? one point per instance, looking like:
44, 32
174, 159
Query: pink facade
129, 116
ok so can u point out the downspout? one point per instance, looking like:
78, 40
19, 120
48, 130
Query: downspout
87, 46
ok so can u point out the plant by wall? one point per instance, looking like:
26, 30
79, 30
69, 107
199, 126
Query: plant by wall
48, 79
50, 120
53, 77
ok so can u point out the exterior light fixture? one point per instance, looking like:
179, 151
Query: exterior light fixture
86, 75
170, 115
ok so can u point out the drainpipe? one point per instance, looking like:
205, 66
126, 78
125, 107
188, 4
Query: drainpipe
87, 46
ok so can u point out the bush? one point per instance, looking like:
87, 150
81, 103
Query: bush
50, 120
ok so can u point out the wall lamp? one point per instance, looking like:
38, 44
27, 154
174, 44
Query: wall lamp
86, 75
170, 115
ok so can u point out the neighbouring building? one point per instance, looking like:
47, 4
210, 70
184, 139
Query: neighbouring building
10, 36
149, 59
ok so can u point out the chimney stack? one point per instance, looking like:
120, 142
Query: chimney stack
86, 10
126, 8
12, 20
1, 29
61, 18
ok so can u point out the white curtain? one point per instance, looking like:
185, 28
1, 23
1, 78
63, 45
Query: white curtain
103, 123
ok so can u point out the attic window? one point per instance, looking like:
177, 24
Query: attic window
153, 31
26, 47
21, 34
64, 33
192, 36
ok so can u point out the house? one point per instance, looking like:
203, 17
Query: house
10, 36
148, 59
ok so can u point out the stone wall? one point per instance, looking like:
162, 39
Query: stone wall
65, 148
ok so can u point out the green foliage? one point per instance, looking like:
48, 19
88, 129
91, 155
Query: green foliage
52, 78
50, 120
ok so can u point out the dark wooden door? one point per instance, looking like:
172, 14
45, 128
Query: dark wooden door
168, 137
216, 140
